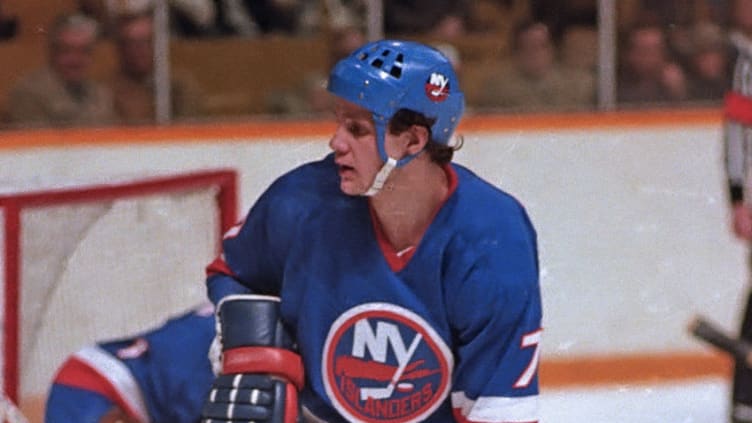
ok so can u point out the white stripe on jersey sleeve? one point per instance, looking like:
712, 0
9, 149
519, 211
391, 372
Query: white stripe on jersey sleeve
119, 376
497, 409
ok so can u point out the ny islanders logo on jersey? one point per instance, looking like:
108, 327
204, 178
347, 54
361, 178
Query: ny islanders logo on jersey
437, 87
383, 363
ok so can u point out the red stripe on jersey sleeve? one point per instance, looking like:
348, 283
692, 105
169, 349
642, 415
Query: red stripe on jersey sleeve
77, 374
218, 267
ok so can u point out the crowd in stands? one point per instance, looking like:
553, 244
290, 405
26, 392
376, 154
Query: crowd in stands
534, 79
62, 92
132, 84
544, 53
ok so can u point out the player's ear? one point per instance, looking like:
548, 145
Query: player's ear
417, 138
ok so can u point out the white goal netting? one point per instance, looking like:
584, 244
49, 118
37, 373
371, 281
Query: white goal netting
94, 263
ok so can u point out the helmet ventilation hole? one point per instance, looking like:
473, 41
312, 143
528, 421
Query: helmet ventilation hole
395, 70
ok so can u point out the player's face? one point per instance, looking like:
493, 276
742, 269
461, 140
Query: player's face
354, 146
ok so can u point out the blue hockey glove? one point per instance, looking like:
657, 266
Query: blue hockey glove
261, 372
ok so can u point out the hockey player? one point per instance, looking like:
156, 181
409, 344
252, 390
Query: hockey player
383, 283
160, 376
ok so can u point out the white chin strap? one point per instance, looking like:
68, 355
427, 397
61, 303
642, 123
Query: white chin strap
380, 179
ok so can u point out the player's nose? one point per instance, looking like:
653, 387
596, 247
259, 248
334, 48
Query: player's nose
337, 143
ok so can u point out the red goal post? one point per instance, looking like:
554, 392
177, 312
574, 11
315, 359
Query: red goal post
73, 258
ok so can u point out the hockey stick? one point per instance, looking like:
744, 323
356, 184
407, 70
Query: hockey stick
9, 413
703, 329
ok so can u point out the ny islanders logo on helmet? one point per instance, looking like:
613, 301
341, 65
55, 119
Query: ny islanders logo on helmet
383, 363
437, 87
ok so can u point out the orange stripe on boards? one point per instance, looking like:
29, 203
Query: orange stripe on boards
632, 369
643, 118
215, 132
256, 129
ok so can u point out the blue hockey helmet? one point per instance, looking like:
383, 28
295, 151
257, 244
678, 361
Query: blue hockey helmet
386, 76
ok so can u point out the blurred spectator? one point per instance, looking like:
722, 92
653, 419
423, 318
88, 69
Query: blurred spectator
647, 73
679, 20
8, 24
133, 83
534, 81
187, 17
440, 18
62, 93
708, 63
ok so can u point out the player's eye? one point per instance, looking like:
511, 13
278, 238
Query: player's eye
354, 129
357, 129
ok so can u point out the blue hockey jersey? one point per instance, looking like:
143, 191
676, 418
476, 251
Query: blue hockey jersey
446, 331
160, 376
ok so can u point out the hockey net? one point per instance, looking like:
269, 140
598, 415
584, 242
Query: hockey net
100, 262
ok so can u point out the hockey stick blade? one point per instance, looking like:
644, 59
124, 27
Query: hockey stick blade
701, 328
